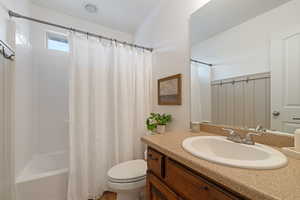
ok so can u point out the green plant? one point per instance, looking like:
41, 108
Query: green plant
156, 119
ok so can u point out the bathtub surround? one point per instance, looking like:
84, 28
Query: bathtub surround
110, 90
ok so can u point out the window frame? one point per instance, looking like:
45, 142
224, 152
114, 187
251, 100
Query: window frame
54, 34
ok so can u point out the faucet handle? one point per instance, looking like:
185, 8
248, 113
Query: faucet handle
258, 133
260, 129
248, 135
230, 131
249, 139
233, 136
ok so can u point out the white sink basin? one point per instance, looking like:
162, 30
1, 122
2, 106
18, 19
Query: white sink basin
222, 151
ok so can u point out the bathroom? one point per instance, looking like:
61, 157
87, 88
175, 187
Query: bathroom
71, 131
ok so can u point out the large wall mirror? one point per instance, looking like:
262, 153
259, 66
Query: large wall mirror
245, 64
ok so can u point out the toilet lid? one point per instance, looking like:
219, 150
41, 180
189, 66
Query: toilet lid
131, 170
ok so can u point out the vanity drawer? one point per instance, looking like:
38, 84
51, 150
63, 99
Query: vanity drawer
155, 161
191, 186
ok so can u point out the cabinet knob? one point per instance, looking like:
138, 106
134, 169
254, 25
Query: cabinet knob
206, 188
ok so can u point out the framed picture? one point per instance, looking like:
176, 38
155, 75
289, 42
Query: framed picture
169, 90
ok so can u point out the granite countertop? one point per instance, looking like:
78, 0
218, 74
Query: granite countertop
278, 184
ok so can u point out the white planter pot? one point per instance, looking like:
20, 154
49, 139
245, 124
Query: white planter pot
161, 129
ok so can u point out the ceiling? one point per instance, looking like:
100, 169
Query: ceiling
122, 15
220, 15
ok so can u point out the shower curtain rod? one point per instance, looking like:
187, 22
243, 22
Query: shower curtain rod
200, 62
16, 15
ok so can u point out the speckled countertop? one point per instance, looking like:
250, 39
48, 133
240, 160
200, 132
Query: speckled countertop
278, 184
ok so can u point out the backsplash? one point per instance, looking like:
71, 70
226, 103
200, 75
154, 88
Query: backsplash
272, 139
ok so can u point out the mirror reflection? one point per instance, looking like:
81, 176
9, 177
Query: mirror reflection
245, 64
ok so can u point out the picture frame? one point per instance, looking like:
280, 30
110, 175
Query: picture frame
169, 90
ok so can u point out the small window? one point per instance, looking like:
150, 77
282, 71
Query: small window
58, 42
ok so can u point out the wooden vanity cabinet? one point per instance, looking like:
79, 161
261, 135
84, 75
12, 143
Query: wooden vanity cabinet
157, 190
170, 180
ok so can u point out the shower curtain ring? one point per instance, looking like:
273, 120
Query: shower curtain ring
72, 30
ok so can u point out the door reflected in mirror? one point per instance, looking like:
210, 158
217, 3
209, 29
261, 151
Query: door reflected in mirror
245, 64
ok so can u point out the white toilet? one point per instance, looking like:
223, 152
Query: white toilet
128, 179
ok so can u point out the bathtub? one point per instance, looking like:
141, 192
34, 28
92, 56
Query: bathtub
45, 177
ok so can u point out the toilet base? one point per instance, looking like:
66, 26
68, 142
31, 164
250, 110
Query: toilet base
128, 195
129, 191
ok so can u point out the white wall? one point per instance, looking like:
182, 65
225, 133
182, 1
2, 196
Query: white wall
51, 78
23, 124
167, 31
245, 49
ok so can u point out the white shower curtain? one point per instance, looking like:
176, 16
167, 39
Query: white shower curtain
110, 98
7, 182
7, 167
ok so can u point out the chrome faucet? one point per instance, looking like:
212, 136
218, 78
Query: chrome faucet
260, 131
248, 139
233, 136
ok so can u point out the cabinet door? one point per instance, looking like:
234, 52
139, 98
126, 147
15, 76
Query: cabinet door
191, 186
155, 163
156, 190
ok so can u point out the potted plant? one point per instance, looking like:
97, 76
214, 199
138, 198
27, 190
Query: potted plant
157, 122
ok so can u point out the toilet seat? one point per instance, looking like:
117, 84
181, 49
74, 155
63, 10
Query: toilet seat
127, 180
128, 172
127, 186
